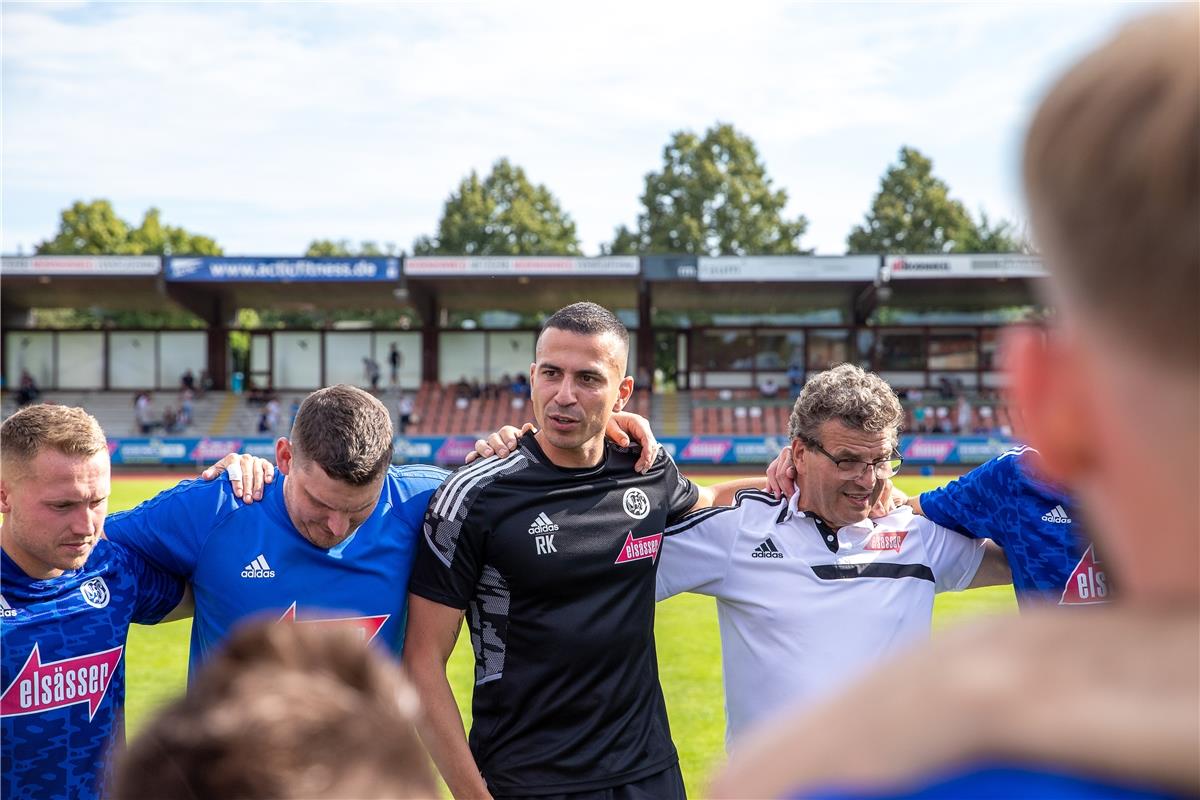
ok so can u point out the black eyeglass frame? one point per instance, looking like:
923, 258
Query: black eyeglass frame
874, 465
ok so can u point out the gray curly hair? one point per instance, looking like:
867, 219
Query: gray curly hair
858, 398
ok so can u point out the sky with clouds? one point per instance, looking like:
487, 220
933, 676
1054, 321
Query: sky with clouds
266, 126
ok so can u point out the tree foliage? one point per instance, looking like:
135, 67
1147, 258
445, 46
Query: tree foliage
712, 197
913, 212
95, 229
342, 248
502, 214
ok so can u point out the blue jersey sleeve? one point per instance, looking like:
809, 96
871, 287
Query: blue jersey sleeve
157, 592
980, 503
170, 528
414, 486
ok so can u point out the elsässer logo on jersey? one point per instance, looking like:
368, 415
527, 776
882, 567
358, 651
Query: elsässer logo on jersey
637, 549
368, 626
57, 684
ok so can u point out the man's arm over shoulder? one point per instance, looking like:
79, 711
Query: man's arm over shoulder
170, 528
160, 596
697, 550
968, 504
955, 559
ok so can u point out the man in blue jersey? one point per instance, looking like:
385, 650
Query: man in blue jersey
331, 542
1101, 703
1035, 522
68, 598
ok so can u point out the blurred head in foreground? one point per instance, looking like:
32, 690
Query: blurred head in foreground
285, 710
1112, 399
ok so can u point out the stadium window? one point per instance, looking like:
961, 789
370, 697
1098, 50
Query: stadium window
725, 357
953, 349
776, 350
901, 350
989, 349
864, 340
724, 349
827, 348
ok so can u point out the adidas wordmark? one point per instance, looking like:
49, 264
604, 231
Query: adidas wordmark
258, 568
1056, 514
543, 524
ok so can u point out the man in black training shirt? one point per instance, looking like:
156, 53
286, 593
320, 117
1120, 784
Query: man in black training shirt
552, 553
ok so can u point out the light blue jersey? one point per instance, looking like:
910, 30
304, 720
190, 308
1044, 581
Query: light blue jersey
250, 561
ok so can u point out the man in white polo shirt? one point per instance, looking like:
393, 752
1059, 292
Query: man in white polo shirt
811, 591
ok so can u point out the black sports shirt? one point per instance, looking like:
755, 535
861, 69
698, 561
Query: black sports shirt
555, 568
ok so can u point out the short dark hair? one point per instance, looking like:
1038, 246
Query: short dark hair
588, 319
284, 710
345, 431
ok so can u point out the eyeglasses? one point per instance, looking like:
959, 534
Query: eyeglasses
852, 469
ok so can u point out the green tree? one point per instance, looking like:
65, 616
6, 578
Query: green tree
503, 214
1003, 237
712, 197
913, 212
342, 248
95, 229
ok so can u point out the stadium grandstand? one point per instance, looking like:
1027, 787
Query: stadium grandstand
719, 345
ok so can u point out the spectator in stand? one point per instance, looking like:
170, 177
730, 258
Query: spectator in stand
795, 376
986, 424
28, 392
394, 361
272, 411
962, 411
371, 369
188, 381
206, 382
143, 413
767, 387
186, 407
404, 412
520, 386
170, 420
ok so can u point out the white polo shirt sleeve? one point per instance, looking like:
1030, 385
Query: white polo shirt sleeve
954, 558
696, 552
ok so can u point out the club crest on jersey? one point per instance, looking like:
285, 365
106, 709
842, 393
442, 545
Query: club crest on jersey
636, 503
1088, 584
886, 540
637, 549
95, 592
368, 627
57, 684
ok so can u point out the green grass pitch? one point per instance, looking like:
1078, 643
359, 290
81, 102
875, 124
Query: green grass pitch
689, 653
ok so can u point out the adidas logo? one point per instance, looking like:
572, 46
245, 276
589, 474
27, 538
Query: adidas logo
543, 524
258, 568
766, 550
5, 609
1056, 514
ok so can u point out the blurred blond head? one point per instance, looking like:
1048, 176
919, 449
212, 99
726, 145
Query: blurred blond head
285, 710
1112, 399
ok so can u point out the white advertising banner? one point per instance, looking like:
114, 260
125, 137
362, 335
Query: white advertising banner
80, 265
787, 268
1004, 265
498, 266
